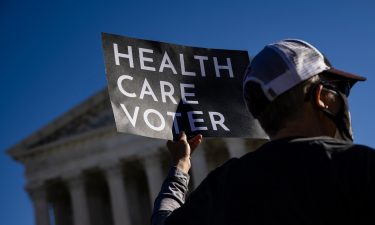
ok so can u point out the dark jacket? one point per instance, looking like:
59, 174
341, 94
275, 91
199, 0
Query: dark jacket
289, 181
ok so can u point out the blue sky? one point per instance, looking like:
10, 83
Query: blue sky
51, 56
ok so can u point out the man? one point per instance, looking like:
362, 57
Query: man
309, 173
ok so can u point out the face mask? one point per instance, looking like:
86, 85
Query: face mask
342, 119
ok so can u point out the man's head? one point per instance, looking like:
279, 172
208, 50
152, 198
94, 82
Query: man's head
292, 81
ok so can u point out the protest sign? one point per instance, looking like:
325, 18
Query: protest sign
159, 89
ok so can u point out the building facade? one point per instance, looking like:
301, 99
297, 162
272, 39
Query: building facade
80, 171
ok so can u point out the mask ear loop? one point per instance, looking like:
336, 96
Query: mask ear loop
340, 118
337, 94
311, 95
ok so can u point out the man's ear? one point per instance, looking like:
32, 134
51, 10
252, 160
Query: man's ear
326, 99
318, 97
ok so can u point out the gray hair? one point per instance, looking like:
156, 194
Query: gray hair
285, 107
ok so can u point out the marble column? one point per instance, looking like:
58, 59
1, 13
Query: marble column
199, 165
40, 203
236, 147
81, 214
154, 175
62, 214
120, 210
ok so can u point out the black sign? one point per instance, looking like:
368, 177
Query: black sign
159, 89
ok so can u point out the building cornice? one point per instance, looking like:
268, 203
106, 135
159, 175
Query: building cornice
69, 123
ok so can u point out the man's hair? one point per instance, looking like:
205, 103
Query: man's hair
284, 108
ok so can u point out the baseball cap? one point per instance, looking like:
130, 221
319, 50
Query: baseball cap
282, 65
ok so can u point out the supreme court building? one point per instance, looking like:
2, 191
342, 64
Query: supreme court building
80, 171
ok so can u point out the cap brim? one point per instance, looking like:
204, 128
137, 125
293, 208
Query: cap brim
347, 75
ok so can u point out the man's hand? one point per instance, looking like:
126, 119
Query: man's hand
182, 149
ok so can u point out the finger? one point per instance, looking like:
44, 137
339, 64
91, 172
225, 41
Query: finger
183, 136
194, 142
195, 138
194, 145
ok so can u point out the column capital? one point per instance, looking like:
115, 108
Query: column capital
72, 174
113, 169
74, 179
35, 186
109, 164
236, 147
152, 159
235, 142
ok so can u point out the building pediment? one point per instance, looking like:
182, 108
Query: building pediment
92, 114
